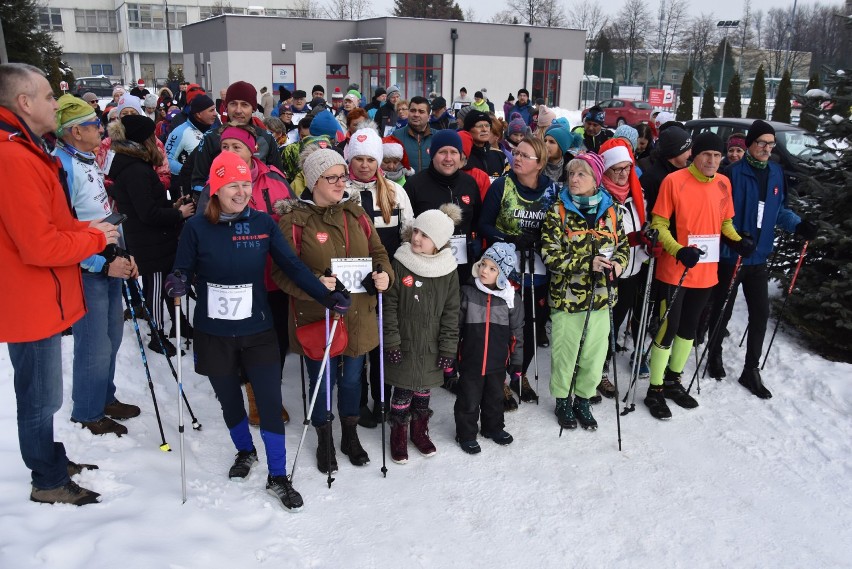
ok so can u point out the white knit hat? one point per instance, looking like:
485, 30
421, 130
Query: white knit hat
439, 224
392, 150
365, 142
318, 162
615, 155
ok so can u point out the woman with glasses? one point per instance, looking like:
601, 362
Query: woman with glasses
401, 113
327, 230
513, 211
621, 182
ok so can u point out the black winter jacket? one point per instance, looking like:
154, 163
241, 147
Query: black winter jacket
487, 318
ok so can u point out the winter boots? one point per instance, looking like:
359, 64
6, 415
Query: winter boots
103, 426
350, 445
750, 379
159, 342
282, 489
242, 464
75, 468
366, 418
655, 401
399, 442
673, 389
605, 387
121, 411
470, 447
715, 367
565, 414
500, 437
70, 493
326, 458
509, 403
420, 434
584, 414
527, 393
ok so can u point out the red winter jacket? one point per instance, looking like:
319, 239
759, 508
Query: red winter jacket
41, 244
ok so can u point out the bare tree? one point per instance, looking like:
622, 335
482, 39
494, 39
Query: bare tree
505, 17
628, 33
671, 32
308, 9
526, 10
757, 23
469, 15
587, 16
546, 13
698, 42
348, 9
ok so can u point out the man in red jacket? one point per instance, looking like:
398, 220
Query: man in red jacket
41, 247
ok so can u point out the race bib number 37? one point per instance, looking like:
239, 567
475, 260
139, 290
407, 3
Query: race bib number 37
229, 302
351, 272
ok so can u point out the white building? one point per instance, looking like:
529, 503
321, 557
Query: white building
126, 41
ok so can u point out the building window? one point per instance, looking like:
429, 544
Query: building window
288, 13
414, 74
210, 11
545, 83
153, 16
102, 69
337, 71
49, 20
96, 20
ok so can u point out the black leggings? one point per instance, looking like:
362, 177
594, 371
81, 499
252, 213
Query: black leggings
754, 280
541, 311
630, 297
686, 311
152, 286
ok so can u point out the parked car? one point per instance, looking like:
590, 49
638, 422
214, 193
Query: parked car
795, 149
624, 111
100, 85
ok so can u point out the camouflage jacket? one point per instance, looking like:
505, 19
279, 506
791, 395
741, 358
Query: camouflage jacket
568, 246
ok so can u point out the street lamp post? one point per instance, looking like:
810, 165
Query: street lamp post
726, 25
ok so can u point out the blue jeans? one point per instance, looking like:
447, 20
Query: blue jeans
97, 337
349, 384
38, 389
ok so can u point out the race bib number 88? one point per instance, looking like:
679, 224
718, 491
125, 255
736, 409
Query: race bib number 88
351, 272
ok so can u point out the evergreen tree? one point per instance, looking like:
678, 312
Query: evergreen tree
813, 83
820, 308
783, 108
436, 9
603, 49
708, 109
684, 108
757, 105
733, 102
26, 43
728, 69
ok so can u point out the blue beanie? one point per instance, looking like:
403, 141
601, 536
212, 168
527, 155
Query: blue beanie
444, 138
503, 255
325, 123
628, 133
562, 136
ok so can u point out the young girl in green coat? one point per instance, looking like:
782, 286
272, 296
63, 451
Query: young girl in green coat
421, 317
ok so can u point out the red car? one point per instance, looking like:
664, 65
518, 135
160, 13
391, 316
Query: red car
624, 111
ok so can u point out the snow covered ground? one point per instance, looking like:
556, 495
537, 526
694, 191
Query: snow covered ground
738, 482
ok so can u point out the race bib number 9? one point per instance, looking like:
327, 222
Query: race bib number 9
708, 244
229, 302
352, 271
458, 243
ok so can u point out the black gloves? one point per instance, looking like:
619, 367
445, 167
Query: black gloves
528, 239
339, 301
689, 256
744, 247
806, 230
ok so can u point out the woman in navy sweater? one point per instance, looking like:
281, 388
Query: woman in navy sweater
225, 250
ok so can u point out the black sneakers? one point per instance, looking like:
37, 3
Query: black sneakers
281, 488
501, 437
242, 464
673, 389
655, 401
715, 367
70, 493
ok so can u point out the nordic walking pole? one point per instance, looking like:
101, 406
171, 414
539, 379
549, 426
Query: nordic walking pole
786, 298
195, 424
523, 282
180, 404
307, 423
329, 480
608, 276
382, 372
671, 303
582, 334
535, 326
304, 395
639, 348
164, 446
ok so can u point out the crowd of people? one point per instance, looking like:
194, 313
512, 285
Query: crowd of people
449, 235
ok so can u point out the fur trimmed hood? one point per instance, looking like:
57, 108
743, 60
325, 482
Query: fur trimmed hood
120, 145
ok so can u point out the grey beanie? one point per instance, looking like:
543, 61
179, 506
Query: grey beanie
503, 255
318, 162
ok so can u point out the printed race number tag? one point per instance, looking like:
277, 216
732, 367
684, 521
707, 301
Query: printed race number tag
351, 272
229, 302
708, 244
458, 243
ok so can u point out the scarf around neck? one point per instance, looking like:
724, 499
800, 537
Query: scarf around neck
587, 204
507, 294
754, 163
553, 170
618, 192
440, 264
